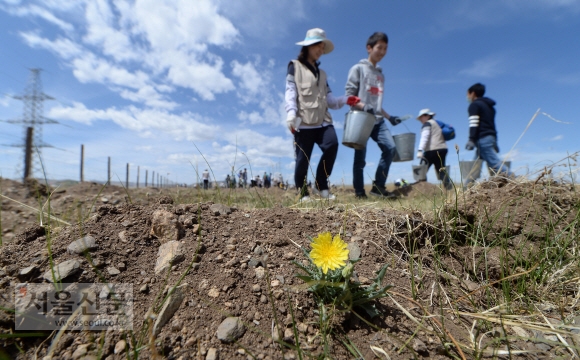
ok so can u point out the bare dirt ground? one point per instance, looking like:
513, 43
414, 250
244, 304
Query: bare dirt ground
449, 269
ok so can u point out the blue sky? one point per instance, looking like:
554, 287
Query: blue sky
159, 83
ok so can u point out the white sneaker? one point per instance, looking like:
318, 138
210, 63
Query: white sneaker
305, 199
325, 194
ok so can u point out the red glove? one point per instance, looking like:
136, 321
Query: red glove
352, 100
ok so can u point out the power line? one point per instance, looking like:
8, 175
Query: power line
33, 117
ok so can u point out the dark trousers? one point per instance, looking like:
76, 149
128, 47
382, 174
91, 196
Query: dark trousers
437, 158
304, 140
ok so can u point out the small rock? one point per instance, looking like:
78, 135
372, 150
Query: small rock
120, 346
230, 329
256, 288
219, 258
127, 223
212, 354
177, 325
289, 256
82, 245
353, 251
255, 262
123, 236
263, 299
195, 228
165, 226
113, 270
260, 272
169, 254
470, 285
288, 335
63, 270
420, 347
258, 250
80, 351
27, 272
232, 262
275, 283
214, 293
220, 209
169, 308
98, 263
144, 288
121, 266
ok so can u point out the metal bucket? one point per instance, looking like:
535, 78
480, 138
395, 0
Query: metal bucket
405, 147
358, 126
470, 170
420, 172
507, 164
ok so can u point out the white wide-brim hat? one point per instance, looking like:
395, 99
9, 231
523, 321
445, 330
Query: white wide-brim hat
425, 112
317, 35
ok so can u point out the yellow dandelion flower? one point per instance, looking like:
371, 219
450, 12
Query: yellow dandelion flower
328, 252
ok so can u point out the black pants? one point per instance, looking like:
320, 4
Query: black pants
437, 158
304, 140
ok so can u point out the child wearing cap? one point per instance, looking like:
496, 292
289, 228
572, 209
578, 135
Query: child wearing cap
432, 146
366, 81
307, 100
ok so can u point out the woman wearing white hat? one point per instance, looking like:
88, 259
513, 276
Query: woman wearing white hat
432, 147
308, 98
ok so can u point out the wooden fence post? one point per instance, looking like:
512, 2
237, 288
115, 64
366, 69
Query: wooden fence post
82, 163
28, 153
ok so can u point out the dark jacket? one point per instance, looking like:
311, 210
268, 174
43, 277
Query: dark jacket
481, 118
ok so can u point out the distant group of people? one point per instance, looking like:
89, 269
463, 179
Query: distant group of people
308, 98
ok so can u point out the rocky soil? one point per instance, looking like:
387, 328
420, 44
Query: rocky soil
228, 277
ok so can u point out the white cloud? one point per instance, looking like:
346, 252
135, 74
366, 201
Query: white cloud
62, 47
556, 138
255, 88
37, 11
252, 82
187, 126
122, 42
102, 33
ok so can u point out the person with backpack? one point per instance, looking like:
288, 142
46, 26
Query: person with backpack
432, 147
482, 132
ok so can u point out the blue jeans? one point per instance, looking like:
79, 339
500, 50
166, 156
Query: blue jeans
382, 136
304, 140
485, 150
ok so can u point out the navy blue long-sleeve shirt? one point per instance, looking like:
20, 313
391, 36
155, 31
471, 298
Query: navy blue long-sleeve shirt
481, 118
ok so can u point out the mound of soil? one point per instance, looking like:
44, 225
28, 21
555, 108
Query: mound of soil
518, 209
420, 189
236, 263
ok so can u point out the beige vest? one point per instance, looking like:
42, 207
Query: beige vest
437, 141
312, 106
